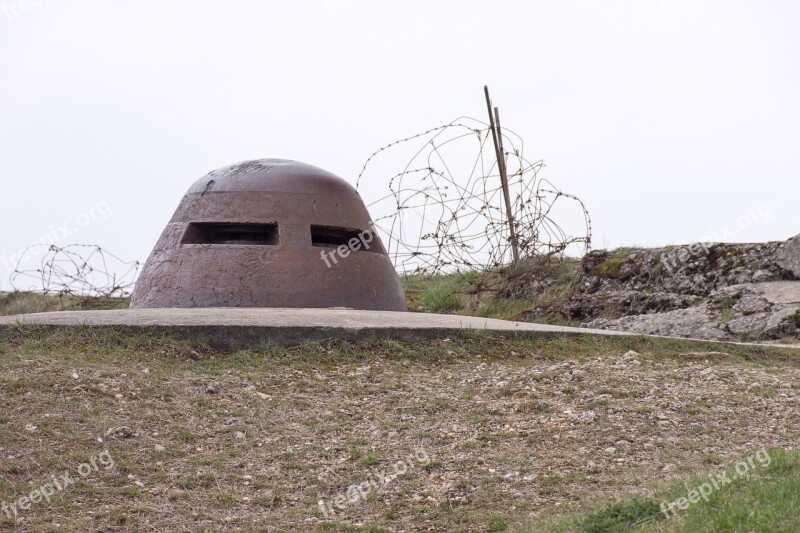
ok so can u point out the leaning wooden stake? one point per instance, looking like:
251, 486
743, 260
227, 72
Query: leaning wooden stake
497, 136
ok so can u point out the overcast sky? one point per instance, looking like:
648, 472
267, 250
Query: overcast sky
673, 120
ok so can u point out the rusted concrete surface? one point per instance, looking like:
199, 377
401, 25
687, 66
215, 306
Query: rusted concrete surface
265, 234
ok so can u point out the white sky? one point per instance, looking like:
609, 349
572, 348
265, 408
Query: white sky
671, 119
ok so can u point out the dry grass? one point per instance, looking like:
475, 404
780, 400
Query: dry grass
535, 290
18, 303
252, 440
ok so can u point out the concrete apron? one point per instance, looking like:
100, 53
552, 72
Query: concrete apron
234, 328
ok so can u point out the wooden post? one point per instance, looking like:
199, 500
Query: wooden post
497, 136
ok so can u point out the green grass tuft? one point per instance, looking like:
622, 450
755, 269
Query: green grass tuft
441, 298
612, 267
765, 498
621, 515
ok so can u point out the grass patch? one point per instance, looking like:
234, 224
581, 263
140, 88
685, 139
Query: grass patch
116, 344
612, 267
369, 460
497, 523
620, 516
533, 290
764, 497
18, 303
441, 299
436, 294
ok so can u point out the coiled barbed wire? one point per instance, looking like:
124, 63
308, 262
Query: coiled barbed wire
78, 270
439, 218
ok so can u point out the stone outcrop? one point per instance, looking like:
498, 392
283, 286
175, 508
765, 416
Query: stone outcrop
708, 291
751, 311
788, 257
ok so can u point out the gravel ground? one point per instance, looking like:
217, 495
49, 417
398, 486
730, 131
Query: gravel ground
466, 437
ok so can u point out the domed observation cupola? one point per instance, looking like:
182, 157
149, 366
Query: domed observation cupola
270, 233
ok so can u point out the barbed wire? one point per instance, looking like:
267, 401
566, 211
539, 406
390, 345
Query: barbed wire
445, 213
78, 270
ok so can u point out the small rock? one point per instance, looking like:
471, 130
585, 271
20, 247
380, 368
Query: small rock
76, 376
212, 388
121, 432
239, 435
629, 358
160, 447
610, 449
578, 374
31, 427
761, 275
586, 416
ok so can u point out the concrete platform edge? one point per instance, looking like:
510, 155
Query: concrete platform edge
228, 337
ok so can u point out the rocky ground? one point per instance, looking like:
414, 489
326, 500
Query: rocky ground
491, 433
705, 291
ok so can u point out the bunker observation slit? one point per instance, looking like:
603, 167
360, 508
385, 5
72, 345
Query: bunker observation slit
231, 233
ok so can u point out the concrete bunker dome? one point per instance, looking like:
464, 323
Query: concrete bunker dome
270, 233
